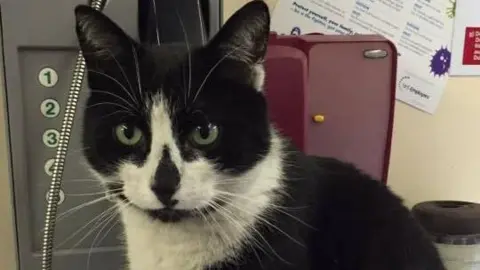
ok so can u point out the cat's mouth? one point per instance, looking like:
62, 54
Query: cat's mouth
176, 215
164, 214
170, 215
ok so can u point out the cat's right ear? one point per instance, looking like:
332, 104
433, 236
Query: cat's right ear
98, 36
244, 36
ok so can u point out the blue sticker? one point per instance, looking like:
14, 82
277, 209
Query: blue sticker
295, 31
440, 62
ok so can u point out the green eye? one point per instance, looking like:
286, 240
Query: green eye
128, 135
204, 136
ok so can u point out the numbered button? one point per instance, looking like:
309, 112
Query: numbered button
61, 194
48, 77
48, 167
51, 137
50, 108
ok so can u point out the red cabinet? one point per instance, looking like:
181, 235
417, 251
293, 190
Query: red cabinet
334, 96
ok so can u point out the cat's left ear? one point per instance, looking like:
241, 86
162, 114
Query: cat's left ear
111, 55
244, 36
98, 36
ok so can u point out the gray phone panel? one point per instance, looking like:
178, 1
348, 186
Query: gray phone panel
39, 48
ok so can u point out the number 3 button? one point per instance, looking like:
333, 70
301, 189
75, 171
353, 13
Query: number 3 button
50, 137
50, 108
48, 77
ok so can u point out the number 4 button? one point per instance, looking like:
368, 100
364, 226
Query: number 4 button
48, 167
48, 77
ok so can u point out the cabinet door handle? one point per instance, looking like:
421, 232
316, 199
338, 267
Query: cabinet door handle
318, 118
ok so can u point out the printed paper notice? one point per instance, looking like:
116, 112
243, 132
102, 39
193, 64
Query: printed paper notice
466, 39
420, 29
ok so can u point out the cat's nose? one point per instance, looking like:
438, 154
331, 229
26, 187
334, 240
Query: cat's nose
165, 186
166, 181
165, 197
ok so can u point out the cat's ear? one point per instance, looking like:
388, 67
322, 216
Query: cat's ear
98, 36
244, 36
111, 56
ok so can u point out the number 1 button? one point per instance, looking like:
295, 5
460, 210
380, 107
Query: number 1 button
48, 77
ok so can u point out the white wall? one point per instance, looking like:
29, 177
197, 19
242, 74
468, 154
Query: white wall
438, 157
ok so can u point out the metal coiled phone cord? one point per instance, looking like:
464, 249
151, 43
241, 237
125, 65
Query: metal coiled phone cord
61, 155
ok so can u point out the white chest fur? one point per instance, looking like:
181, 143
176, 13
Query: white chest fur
183, 246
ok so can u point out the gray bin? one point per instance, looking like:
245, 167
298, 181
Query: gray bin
455, 228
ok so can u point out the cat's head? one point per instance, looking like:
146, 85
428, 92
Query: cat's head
174, 130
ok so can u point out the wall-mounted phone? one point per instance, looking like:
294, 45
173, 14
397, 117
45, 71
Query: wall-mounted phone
39, 52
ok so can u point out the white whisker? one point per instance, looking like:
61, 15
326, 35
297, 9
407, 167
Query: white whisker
79, 207
113, 217
187, 43
265, 221
116, 96
127, 110
273, 206
224, 235
115, 112
94, 193
118, 83
211, 71
137, 70
247, 233
156, 21
97, 218
121, 70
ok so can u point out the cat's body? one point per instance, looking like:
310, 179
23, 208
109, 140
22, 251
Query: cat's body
180, 138
352, 222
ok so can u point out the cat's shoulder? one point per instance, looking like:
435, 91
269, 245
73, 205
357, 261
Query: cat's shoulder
343, 186
340, 173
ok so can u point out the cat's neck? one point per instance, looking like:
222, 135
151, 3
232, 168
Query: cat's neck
197, 243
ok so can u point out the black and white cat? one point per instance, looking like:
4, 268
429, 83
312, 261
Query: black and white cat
180, 137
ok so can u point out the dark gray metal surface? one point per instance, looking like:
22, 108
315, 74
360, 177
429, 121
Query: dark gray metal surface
37, 35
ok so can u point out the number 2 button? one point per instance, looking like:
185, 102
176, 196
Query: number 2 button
50, 137
50, 108
48, 77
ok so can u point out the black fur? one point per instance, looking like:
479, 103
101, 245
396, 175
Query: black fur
352, 222
333, 217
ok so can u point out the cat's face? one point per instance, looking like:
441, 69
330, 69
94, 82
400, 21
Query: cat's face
172, 130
